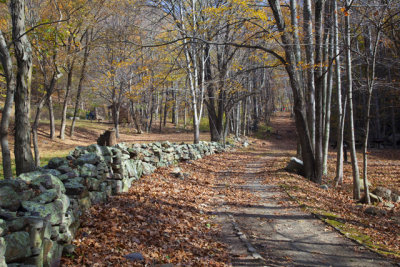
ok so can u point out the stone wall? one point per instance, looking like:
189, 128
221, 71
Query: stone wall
40, 211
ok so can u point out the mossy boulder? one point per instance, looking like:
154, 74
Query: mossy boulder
54, 211
38, 180
90, 158
147, 168
47, 197
9, 199
17, 246
54, 163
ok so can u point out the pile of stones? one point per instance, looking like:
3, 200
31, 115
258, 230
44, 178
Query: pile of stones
40, 211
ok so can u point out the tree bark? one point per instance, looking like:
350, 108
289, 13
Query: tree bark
310, 89
319, 76
80, 85
328, 98
51, 116
393, 119
371, 75
340, 110
35, 126
6, 61
161, 109
353, 152
23, 53
66, 98
298, 95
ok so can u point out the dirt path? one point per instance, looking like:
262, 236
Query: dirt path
270, 232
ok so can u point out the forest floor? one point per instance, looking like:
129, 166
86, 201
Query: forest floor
240, 208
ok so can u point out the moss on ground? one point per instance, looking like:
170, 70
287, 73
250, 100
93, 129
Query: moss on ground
340, 225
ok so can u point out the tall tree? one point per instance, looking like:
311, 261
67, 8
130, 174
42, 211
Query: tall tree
23, 53
349, 84
6, 61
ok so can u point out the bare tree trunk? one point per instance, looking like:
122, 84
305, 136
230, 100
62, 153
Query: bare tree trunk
309, 47
319, 134
176, 108
185, 111
298, 94
244, 117
371, 75
35, 126
394, 131
166, 107
295, 25
6, 61
80, 85
161, 108
23, 52
353, 152
116, 109
365, 150
378, 115
237, 129
340, 110
66, 98
196, 130
51, 116
328, 101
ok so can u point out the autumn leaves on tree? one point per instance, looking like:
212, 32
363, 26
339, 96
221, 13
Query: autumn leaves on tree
230, 63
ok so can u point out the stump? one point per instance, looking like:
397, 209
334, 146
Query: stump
108, 138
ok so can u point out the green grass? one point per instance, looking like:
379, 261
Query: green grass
263, 131
204, 124
44, 160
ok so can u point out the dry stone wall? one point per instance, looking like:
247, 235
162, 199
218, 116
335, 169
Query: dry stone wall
40, 211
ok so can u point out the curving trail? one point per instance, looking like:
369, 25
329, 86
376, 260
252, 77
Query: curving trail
271, 230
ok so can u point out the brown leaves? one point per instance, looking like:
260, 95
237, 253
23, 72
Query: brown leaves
162, 217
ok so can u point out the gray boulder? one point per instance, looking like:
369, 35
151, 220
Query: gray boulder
383, 192
98, 197
9, 199
64, 169
375, 211
147, 168
17, 184
54, 163
17, 246
53, 211
93, 184
88, 170
90, 158
395, 197
75, 186
39, 180
7, 214
296, 166
47, 197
